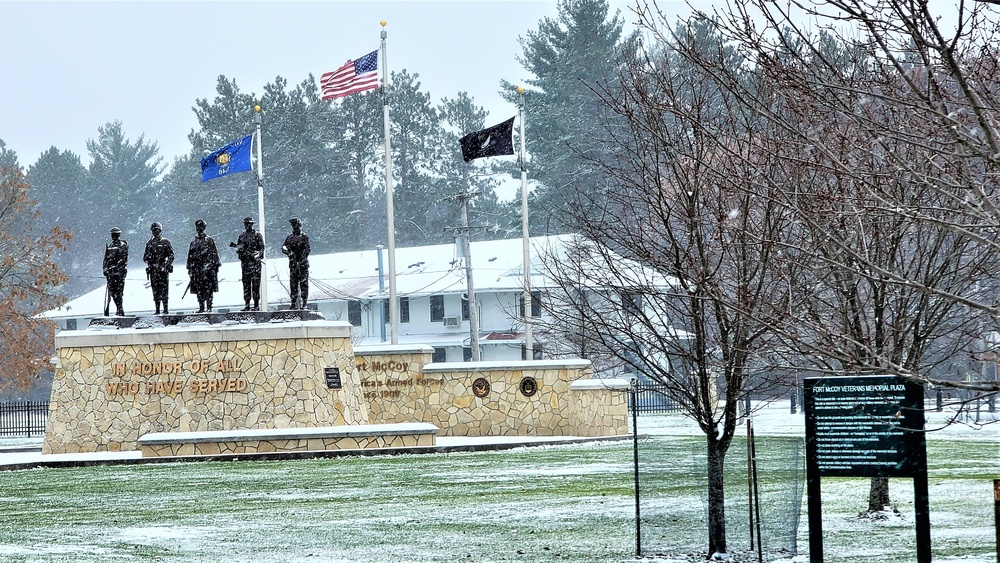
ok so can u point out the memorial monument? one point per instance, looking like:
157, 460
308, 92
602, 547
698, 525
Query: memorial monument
250, 250
115, 270
296, 247
159, 259
203, 267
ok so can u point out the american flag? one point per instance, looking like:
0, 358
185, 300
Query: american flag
355, 76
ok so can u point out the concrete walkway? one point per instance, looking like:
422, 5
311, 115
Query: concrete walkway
27, 453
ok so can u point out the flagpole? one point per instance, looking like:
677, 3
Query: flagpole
390, 221
525, 240
260, 212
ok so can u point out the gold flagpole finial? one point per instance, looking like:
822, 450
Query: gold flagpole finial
382, 23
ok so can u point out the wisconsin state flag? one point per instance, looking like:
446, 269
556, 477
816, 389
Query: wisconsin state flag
234, 157
492, 141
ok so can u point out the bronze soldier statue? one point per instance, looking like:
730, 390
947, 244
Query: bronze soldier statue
296, 247
159, 259
203, 267
115, 269
250, 250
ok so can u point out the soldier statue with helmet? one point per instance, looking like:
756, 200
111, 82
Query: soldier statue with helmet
203, 267
296, 247
115, 269
250, 250
159, 259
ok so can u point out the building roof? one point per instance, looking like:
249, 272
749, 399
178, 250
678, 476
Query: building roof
420, 270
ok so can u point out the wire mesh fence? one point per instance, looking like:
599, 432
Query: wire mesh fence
674, 512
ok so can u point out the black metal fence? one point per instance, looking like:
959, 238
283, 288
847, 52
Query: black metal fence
651, 397
24, 419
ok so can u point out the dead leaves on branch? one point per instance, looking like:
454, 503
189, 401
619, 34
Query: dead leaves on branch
29, 282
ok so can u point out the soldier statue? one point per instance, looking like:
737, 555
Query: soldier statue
203, 267
296, 247
250, 250
115, 269
159, 259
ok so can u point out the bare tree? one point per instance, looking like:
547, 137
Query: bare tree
887, 137
684, 283
889, 131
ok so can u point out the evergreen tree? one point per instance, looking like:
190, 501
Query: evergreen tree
61, 185
460, 116
8, 158
222, 202
417, 199
354, 130
574, 58
125, 175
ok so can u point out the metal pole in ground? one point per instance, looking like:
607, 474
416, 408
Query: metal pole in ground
635, 465
996, 512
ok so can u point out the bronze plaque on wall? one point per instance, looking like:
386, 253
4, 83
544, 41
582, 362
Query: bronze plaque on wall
480, 387
332, 378
529, 386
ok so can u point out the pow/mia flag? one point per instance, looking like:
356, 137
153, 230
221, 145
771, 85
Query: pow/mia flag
492, 141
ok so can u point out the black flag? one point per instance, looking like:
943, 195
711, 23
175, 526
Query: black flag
492, 141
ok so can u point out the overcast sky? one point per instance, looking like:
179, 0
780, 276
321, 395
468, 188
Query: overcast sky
71, 67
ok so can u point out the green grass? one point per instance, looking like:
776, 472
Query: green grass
567, 503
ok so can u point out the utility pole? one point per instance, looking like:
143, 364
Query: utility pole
463, 200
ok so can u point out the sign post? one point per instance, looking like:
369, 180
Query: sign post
871, 426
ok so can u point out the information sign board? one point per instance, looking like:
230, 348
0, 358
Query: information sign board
865, 426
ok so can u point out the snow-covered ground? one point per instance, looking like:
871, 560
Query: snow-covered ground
950, 526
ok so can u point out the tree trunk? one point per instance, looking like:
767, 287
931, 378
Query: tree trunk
716, 498
878, 494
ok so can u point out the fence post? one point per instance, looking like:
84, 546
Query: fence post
996, 512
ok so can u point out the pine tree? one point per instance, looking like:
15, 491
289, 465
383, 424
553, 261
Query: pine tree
64, 191
574, 58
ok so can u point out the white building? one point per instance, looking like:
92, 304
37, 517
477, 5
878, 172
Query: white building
430, 286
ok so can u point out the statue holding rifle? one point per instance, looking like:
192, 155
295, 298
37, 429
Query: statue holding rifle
250, 250
159, 259
115, 269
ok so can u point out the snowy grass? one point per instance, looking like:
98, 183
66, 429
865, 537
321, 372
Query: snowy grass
553, 503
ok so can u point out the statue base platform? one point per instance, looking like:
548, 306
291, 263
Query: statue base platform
182, 319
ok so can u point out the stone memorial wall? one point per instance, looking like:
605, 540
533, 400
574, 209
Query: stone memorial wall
113, 386
496, 398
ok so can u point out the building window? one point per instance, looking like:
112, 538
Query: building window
536, 348
354, 312
632, 303
437, 308
466, 354
465, 307
536, 304
70, 324
440, 355
404, 310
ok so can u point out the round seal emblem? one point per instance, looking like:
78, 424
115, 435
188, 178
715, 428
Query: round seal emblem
529, 386
480, 387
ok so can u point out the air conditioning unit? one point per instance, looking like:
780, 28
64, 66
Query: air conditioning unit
452, 322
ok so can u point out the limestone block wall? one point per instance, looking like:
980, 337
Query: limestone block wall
392, 383
599, 406
111, 387
290, 445
491, 398
352, 437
